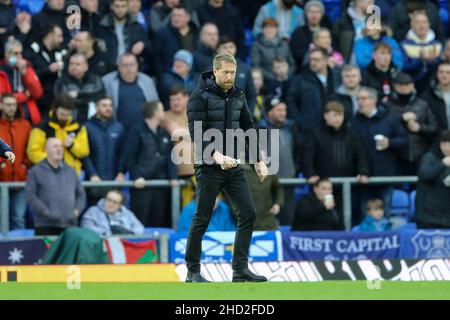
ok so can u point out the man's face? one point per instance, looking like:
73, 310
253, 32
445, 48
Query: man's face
178, 103
113, 202
225, 75
78, 67
278, 113
270, 32
280, 69
334, 119
382, 57
172, 3
324, 188
404, 88
120, 9
134, 6
258, 80
57, 38
89, 5
445, 148
105, 109
351, 79
420, 25
8, 107
23, 17
443, 74
229, 48
55, 150
63, 115
179, 18
15, 51
317, 62
323, 40
128, 68
180, 67
314, 15
82, 42
56, 4
210, 36
366, 103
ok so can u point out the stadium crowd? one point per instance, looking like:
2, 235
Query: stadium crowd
105, 100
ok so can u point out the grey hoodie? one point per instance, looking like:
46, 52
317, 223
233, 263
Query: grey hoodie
96, 220
53, 195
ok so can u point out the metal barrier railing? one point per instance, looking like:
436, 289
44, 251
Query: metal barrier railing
176, 193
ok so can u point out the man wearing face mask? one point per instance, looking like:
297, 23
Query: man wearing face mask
418, 120
17, 76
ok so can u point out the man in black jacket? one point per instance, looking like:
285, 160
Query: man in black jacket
147, 156
217, 105
433, 191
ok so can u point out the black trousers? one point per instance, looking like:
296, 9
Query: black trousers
211, 179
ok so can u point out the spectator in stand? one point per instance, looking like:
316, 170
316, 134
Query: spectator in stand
7, 13
148, 156
135, 11
302, 37
53, 13
374, 220
261, 93
105, 143
286, 12
268, 46
17, 76
121, 33
243, 74
421, 50
418, 120
54, 192
322, 40
268, 198
400, 17
98, 61
81, 85
180, 75
110, 216
289, 146
181, 33
316, 211
14, 129
438, 96
160, 14
129, 90
364, 47
90, 15
348, 91
72, 135
228, 20
222, 218
20, 29
279, 86
349, 28
206, 50
445, 55
380, 72
46, 56
433, 190
309, 92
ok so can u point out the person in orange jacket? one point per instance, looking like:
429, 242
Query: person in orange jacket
14, 130
17, 76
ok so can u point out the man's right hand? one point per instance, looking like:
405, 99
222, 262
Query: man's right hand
446, 161
226, 161
139, 183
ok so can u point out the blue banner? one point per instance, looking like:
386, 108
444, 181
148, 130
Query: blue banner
218, 247
24, 252
425, 244
340, 245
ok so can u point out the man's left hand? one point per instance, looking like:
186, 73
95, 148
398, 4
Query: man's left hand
261, 170
10, 156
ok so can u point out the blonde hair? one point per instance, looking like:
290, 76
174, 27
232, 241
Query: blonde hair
223, 57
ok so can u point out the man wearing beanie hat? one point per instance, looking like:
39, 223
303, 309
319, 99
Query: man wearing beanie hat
181, 74
417, 118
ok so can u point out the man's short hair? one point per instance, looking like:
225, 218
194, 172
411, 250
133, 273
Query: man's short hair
112, 1
322, 51
223, 57
149, 109
50, 28
335, 106
270, 22
127, 54
445, 136
102, 97
180, 7
371, 91
64, 102
7, 95
228, 39
79, 55
374, 204
279, 60
178, 89
444, 63
382, 45
350, 67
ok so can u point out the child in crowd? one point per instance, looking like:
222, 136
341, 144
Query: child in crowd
374, 221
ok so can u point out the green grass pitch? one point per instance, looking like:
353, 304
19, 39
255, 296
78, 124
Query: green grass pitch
340, 290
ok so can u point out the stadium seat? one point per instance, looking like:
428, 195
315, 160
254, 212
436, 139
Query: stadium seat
21, 233
400, 203
412, 201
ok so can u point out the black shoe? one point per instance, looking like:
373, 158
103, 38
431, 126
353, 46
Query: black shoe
195, 277
245, 275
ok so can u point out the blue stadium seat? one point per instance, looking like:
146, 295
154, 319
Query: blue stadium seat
333, 9
400, 203
21, 233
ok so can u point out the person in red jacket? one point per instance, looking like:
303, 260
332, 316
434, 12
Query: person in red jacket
17, 76
14, 131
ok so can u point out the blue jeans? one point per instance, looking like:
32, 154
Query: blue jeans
17, 209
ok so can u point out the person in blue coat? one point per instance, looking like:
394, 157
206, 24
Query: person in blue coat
374, 220
221, 220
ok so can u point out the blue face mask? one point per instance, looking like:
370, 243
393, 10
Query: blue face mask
12, 60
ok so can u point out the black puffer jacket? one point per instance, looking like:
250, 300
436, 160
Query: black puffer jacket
216, 109
433, 197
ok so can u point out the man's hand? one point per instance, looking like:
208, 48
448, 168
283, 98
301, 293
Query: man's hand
329, 204
384, 143
10, 156
174, 183
446, 161
409, 116
120, 177
95, 178
68, 141
73, 94
22, 65
275, 209
77, 213
139, 183
137, 48
313, 179
362, 178
225, 161
413, 126
261, 170
54, 67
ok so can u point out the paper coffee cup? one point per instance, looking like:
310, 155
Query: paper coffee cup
329, 199
378, 138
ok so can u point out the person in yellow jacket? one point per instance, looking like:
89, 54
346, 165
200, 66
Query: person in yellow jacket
72, 134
